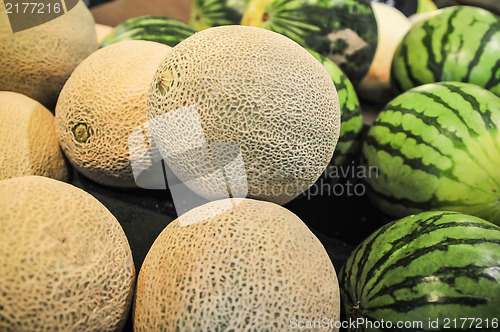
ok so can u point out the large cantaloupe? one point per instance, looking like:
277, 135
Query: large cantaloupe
245, 110
28, 140
36, 62
235, 265
65, 263
101, 104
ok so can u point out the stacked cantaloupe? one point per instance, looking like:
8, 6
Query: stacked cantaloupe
235, 112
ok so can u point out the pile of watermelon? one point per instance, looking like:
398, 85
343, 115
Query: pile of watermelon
414, 183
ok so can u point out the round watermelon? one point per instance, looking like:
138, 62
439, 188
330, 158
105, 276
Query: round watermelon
158, 29
493, 6
459, 43
211, 13
427, 272
436, 147
350, 114
345, 31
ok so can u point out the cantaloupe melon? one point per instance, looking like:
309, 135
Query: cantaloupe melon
240, 90
235, 265
392, 26
28, 140
102, 102
36, 62
65, 261
101, 31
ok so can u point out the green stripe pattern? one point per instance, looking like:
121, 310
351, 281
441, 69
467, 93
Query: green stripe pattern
345, 31
434, 265
158, 29
437, 147
350, 114
459, 43
211, 13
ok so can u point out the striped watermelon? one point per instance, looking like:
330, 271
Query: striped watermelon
343, 30
210, 13
350, 114
459, 43
491, 5
434, 267
159, 29
437, 147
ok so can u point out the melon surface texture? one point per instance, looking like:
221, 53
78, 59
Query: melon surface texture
37, 62
247, 108
431, 266
101, 104
65, 261
28, 139
437, 147
235, 265
458, 43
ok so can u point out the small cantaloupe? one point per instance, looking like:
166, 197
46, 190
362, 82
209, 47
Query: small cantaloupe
65, 261
392, 26
235, 265
100, 105
252, 93
28, 139
36, 62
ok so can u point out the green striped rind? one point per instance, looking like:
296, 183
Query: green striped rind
343, 30
211, 13
350, 113
159, 29
437, 147
458, 43
434, 265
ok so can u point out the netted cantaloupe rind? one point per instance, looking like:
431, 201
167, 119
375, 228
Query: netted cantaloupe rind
253, 267
36, 62
28, 140
102, 102
256, 90
65, 262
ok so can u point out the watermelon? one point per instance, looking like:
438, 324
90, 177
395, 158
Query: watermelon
210, 13
436, 147
350, 114
159, 29
345, 31
493, 6
431, 271
459, 43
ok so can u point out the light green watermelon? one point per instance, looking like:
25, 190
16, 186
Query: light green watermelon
345, 31
211, 13
159, 29
435, 271
350, 114
459, 43
437, 147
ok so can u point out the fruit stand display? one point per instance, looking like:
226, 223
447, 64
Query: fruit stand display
250, 165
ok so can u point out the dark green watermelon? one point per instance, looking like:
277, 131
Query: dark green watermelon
345, 31
437, 147
425, 272
350, 114
159, 29
459, 43
211, 13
